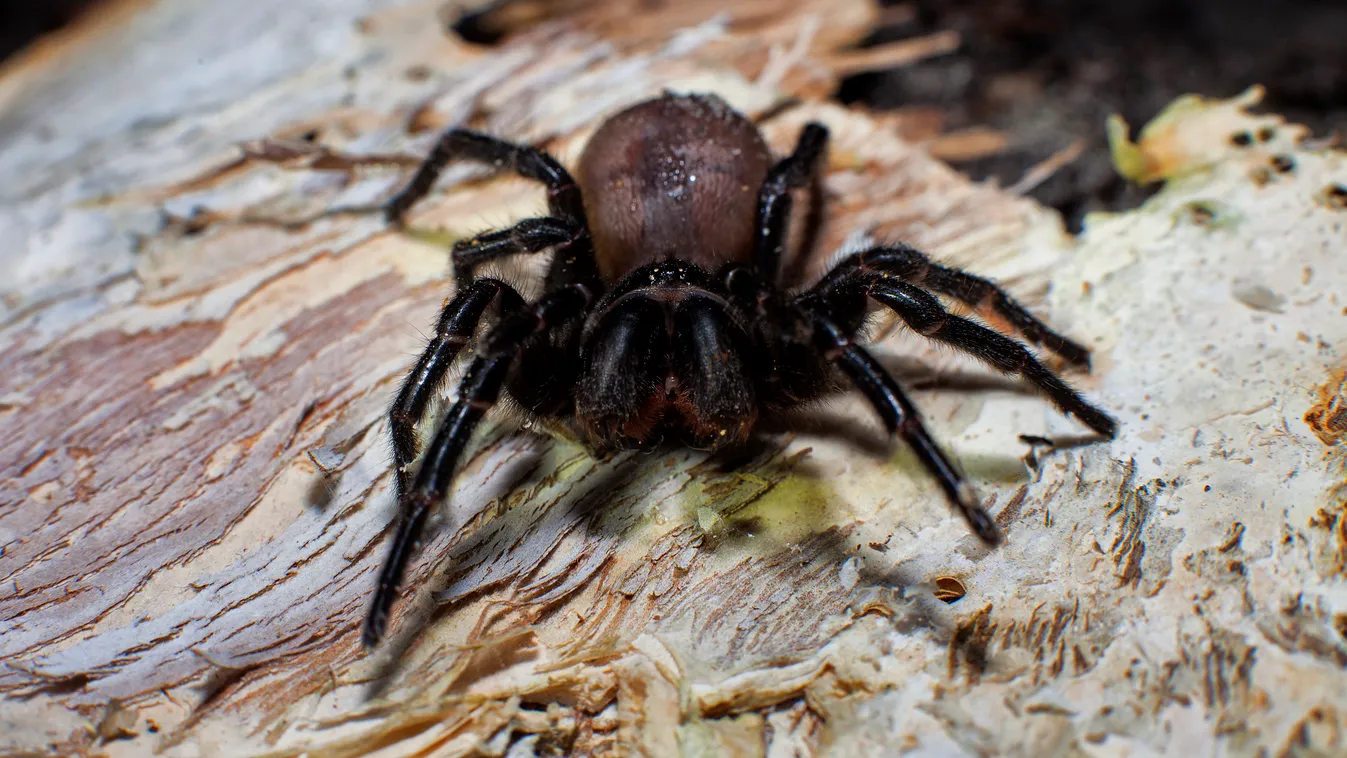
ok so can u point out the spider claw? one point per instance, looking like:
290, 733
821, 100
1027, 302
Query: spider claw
982, 524
1100, 422
374, 629
1073, 353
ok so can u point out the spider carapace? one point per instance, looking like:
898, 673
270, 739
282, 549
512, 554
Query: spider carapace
663, 315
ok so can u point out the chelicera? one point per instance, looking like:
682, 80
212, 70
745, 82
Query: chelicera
663, 315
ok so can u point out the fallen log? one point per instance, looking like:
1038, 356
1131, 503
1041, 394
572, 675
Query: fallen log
203, 328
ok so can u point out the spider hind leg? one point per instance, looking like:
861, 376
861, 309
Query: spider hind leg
563, 193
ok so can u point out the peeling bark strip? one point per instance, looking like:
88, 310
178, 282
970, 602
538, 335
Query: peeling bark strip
201, 335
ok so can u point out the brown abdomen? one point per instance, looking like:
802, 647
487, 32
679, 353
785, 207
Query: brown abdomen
673, 177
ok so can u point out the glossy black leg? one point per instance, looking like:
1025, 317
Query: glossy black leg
774, 201
913, 266
458, 321
532, 235
563, 193
478, 392
925, 314
901, 418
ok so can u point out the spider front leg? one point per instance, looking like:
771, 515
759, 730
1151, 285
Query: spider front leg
914, 267
841, 297
924, 313
563, 194
457, 323
478, 392
532, 235
901, 418
774, 202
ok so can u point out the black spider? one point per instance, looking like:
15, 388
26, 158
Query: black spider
663, 313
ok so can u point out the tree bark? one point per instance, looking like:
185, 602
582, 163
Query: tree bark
202, 333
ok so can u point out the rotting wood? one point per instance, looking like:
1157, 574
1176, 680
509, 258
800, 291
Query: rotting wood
193, 483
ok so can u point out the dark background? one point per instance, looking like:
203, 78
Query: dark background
1048, 72
23, 20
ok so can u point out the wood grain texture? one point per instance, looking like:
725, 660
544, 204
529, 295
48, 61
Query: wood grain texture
201, 337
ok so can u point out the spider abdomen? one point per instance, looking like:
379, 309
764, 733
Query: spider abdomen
674, 177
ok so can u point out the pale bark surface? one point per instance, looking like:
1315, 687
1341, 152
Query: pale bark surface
194, 474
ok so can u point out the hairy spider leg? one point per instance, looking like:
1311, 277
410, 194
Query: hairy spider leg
563, 194
574, 261
478, 392
914, 267
901, 418
921, 310
458, 321
796, 171
783, 333
532, 235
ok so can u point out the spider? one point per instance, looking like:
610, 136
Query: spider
663, 313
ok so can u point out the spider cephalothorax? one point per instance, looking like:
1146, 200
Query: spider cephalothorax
663, 316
